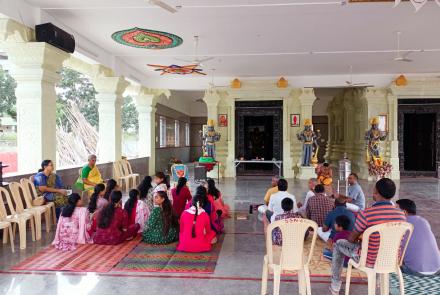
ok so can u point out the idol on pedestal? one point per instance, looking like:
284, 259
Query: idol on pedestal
310, 143
209, 138
376, 166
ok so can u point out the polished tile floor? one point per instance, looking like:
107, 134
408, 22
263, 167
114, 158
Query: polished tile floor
239, 266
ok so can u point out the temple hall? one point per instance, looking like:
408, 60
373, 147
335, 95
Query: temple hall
219, 147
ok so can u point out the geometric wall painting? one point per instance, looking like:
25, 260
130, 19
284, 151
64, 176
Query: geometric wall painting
178, 70
149, 39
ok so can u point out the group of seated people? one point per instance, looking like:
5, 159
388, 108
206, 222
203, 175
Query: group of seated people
161, 214
343, 219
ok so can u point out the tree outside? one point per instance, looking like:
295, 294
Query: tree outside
75, 92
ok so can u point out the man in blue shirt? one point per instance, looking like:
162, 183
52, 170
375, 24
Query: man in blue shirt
422, 256
327, 231
356, 197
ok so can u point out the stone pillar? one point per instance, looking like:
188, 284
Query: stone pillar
212, 99
307, 98
229, 167
290, 106
393, 136
110, 90
146, 100
34, 67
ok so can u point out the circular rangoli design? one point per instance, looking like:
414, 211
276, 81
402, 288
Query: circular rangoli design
143, 38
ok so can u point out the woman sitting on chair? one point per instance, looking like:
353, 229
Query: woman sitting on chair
50, 186
72, 225
110, 225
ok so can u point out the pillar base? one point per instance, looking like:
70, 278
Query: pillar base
306, 173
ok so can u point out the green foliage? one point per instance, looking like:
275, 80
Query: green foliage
7, 94
76, 88
130, 121
73, 88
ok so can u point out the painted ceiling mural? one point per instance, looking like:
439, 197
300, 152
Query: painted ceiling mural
144, 38
178, 70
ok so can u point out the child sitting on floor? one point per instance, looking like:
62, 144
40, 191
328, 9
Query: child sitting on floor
72, 225
287, 206
221, 208
162, 225
97, 201
136, 209
342, 224
196, 234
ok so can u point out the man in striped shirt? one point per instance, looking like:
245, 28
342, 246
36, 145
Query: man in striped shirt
382, 211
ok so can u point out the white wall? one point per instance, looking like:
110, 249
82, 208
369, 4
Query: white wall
185, 102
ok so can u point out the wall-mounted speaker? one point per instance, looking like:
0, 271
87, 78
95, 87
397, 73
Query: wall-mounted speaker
53, 35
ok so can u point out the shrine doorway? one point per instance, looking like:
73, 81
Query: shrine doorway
258, 135
419, 133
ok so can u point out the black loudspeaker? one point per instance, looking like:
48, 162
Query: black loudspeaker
53, 35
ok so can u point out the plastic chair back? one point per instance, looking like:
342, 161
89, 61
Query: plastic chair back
30, 192
17, 190
4, 194
394, 238
293, 232
127, 167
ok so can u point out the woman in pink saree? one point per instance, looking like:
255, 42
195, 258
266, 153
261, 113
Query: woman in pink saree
72, 225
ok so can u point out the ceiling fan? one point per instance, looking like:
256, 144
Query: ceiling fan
163, 5
348, 84
197, 60
399, 56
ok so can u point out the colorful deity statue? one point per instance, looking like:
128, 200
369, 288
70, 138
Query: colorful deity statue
210, 137
373, 137
309, 139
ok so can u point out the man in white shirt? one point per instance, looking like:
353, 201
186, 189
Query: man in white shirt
302, 207
274, 207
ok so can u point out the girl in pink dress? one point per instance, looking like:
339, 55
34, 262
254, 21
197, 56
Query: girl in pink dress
208, 205
221, 208
97, 200
136, 209
72, 225
195, 228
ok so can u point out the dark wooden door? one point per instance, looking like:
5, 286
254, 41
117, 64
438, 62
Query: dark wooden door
420, 142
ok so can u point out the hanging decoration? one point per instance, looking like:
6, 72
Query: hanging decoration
144, 38
282, 83
401, 81
418, 4
236, 83
178, 70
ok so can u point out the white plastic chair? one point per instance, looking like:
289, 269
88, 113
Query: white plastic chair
30, 194
17, 190
18, 216
126, 166
121, 177
290, 256
389, 257
6, 225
